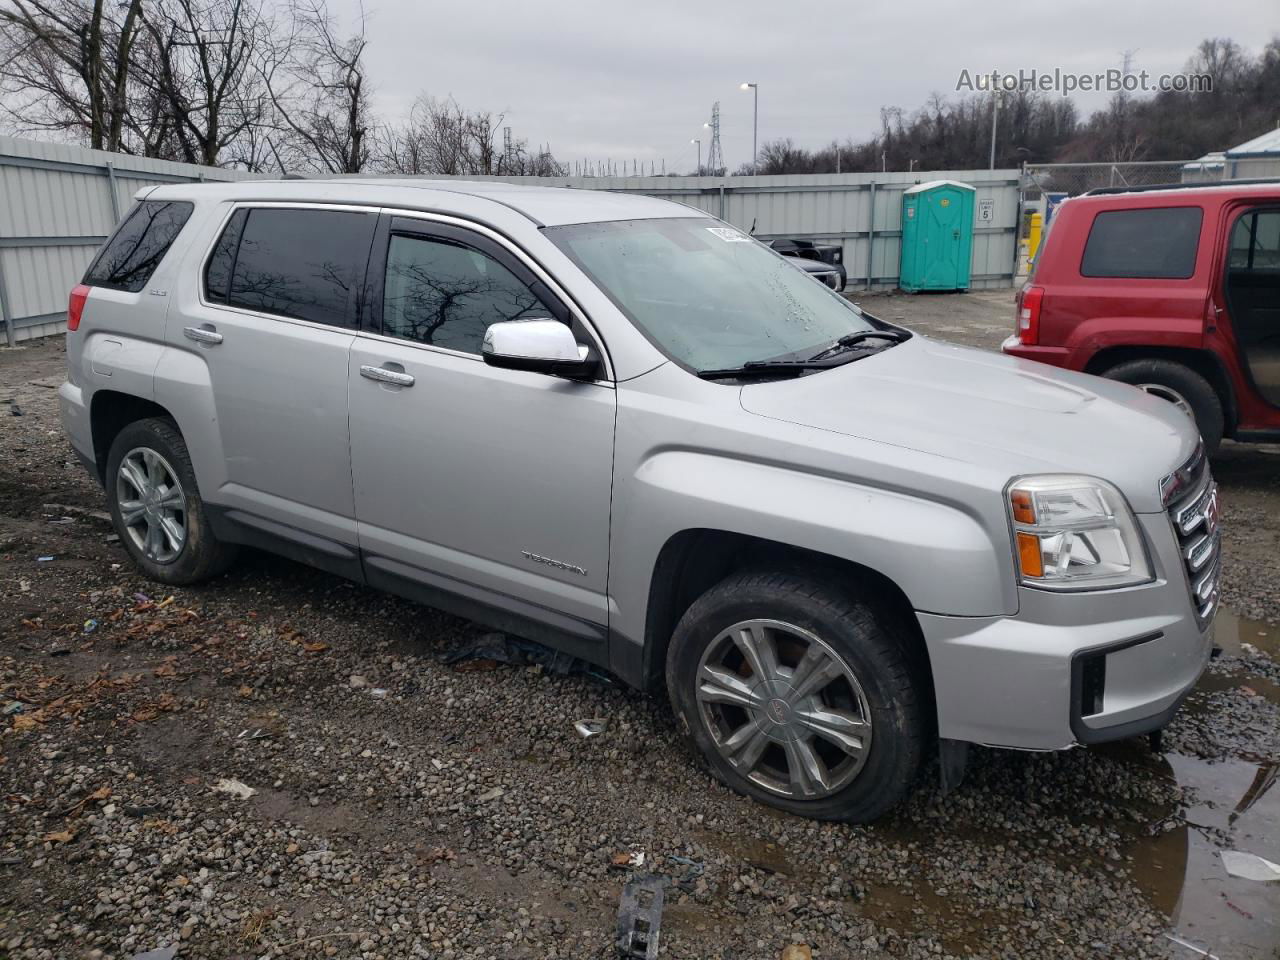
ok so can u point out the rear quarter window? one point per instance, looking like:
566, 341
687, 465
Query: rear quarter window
1158, 243
131, 256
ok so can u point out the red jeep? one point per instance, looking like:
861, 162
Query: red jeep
1175, 289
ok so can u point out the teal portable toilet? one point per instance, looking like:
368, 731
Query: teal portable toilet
937, 236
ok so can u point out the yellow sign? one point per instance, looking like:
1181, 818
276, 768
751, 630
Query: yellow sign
944, 202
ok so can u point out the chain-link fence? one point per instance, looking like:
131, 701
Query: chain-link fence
1077, 178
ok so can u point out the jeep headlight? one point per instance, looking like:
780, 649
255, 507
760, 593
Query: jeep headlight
1075, 533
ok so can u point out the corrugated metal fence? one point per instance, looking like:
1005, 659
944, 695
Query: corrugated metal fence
860, 211
58, 203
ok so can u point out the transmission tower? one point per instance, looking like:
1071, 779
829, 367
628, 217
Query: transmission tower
715, 158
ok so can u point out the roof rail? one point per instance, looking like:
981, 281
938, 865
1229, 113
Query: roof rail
1194, 185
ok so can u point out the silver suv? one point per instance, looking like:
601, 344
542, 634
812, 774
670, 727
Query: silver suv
622, 427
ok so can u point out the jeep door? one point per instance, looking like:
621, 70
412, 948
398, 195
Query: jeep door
478, 489
1252, 288
257, 374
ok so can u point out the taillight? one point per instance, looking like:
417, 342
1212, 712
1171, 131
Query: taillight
1029, 302
75, 306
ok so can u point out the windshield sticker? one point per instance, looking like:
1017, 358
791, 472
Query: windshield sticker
729, 235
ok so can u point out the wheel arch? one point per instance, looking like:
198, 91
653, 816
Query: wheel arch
1204, 362
692, 561
110, 411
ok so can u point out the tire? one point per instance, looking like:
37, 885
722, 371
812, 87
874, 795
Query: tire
157, 455
844, 278
858, 786
1181, 385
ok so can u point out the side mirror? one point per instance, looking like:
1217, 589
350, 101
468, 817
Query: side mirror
540, 345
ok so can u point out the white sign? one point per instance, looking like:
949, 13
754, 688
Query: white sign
728, 235
986, 210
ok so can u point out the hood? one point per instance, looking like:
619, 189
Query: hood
1002, 413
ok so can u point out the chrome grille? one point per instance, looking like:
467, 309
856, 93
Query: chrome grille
1195, 518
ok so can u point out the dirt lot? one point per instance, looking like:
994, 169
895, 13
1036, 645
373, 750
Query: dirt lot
406, 808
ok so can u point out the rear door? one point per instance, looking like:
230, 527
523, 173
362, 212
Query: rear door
473, 484
264, 381
1141, 275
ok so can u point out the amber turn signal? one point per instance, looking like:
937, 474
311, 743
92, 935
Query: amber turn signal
1024, 510
1029, 557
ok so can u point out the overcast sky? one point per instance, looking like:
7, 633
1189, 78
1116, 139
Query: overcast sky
637, 80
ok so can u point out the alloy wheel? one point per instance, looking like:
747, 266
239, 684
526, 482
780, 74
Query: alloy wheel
153, 507
1169, 394
784, 709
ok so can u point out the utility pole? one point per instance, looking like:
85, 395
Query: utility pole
698, 172
995, 113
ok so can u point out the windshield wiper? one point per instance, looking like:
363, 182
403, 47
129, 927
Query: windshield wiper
764, 368
853, 339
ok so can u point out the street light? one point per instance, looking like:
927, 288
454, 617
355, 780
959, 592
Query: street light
755, 121
698, 172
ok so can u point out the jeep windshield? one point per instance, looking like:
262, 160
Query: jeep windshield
710, 297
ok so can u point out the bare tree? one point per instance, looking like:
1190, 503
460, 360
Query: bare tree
320, 93
442, 138
199, 71
65, 66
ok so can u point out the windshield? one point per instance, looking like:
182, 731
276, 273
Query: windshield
709, 296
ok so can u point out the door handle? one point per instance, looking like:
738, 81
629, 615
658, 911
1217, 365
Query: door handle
383, 375
202, 335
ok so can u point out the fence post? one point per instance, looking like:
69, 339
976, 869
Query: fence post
111, 185
10, 334
871, 231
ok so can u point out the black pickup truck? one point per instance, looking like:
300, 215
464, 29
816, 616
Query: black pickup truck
829, 253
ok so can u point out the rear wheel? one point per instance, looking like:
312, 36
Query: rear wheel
156, 506
1183, 387
798, 696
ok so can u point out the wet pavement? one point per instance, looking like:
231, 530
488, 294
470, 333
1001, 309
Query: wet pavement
1229, 804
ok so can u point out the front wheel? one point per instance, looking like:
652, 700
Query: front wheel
798, 696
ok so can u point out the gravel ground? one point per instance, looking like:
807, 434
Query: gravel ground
405, 808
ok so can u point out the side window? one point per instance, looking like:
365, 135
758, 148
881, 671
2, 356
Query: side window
217, 273
138, 245
1255, 241
1156, 243
298, 263
447, 294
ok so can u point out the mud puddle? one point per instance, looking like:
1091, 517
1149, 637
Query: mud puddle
1237, 636
1229, 803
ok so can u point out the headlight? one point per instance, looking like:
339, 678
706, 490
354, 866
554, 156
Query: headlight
1075, 533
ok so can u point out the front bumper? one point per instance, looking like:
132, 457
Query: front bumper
1072, 668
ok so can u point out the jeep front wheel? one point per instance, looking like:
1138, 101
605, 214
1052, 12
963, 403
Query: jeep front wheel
1183, 387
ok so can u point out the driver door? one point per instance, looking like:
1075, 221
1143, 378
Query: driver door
481, 490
